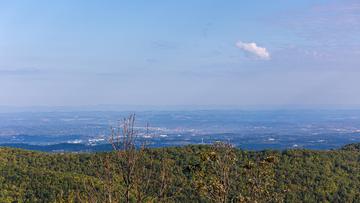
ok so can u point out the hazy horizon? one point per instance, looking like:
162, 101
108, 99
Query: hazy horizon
144, 108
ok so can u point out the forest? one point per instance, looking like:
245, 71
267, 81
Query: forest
194, 173
183, 174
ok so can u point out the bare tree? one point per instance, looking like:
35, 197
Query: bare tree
131, 173
122, 140
135, 167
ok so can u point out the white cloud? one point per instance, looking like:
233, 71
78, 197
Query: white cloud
254, 49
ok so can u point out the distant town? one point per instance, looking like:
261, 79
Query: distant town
252, 130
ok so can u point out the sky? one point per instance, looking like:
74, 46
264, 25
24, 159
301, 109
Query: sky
164, 53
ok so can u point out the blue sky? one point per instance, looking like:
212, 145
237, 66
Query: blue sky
237, 53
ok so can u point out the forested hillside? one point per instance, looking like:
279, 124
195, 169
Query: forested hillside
215, 173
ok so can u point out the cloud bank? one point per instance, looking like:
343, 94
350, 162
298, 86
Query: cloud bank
254, 49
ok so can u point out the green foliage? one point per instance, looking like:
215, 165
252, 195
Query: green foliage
352, 147
216, 173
